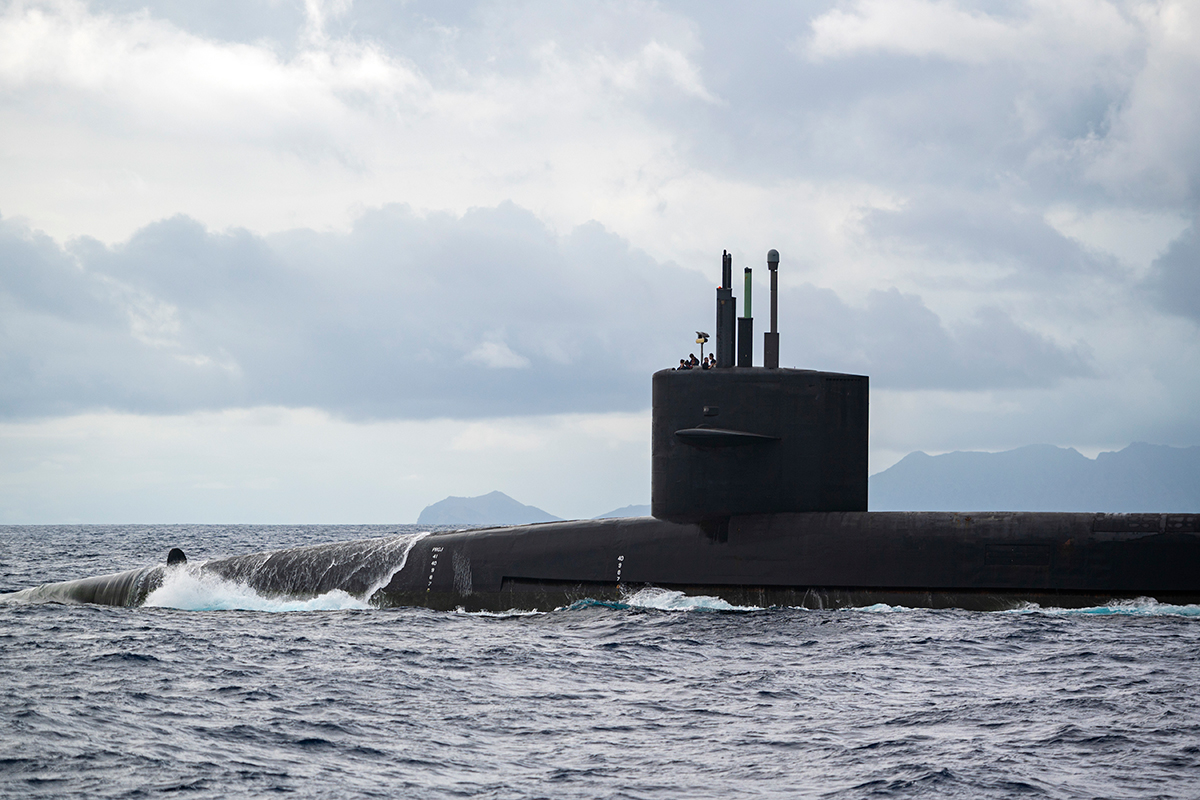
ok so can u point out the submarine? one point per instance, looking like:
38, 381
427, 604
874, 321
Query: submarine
758, 497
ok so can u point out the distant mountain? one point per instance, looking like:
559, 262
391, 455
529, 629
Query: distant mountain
496, 508
1042, 477
626, 511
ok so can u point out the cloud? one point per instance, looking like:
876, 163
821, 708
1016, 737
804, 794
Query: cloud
655, 61
654, 119
1174, 279
497, 355
969, 231
487, 314
335, 113
393, 319
901, 344
160, 78
1035, 102
1150, 154
911, 27
958, 32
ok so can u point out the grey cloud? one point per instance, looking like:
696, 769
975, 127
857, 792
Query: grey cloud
180, 261
41, 278
379, 322
902, 344
391, 319
73, 340
954, 227
1174, 280
1005, 127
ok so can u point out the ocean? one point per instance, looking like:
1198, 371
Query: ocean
211, 691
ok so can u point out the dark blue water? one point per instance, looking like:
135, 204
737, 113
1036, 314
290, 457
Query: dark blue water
592, 701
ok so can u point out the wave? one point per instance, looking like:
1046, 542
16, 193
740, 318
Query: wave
512, 612
1138, 607
656, 599
191, 589
883, 608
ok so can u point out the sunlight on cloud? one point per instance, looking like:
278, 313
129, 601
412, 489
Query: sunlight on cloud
1135, 237
318, 12
497, 355
911, 27
152, 321
942, 29
239, 133
655, 60
1138, 63
170, 79
1151, 152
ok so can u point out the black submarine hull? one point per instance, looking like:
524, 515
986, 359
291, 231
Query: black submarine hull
128, 588
984, 561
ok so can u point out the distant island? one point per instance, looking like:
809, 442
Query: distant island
626, 511
495, 508
1042, 477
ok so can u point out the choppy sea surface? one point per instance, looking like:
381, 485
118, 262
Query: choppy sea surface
216, 691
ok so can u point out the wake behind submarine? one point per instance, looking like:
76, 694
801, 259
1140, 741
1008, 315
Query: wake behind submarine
759, 497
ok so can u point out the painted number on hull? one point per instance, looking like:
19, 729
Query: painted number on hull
620, 563
433, 567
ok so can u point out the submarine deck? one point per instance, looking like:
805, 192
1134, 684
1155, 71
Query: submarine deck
985, 561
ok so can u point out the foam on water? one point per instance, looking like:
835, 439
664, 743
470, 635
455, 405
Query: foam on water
882, 608
669, 600
1139, 607
191, 589
512, 612
656, 599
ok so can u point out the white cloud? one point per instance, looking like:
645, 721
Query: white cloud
497, 355
162, 79
238, 133
911, 27
1135, 64
656, 60
1027, 33
1151, 152
318, 12
1134, 236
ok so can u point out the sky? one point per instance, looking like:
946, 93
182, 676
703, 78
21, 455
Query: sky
331, 261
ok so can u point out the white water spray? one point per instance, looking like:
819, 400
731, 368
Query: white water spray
192, 588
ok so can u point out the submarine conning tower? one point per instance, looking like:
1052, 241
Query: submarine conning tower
741, 439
